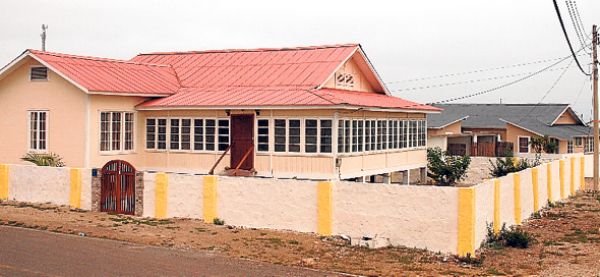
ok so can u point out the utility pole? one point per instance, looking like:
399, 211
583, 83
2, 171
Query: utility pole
43, 35
595, 84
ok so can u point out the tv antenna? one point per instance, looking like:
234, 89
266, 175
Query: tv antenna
43, 35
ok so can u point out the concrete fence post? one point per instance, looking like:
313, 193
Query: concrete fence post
209, 212
466, 221
160, 201
4, 170
325, 208
75, 188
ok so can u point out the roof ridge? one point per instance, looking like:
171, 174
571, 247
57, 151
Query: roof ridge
504, 104
234, 50
92, 58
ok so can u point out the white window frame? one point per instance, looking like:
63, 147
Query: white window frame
180, 128
37, 150
570, 146
40, 80
122, 150
519, 144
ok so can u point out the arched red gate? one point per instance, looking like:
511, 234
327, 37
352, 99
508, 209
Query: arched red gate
117, 191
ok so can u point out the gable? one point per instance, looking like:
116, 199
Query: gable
364, 78
567, 118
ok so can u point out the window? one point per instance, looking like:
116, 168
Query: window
422, 133
382, 134
367, 135
340, 136
38, 130
223, 132
38, 73
180, 134
589, 145
393, 138
198, 134
347, 136
373, 135
578, 142
310, 135
414, 129
360, 135
325, 136
150, 133
523, 144
209, 132
263, 135
403, 134
116, 131
294, 135
280, 135
161, 134
570, 146
354, 135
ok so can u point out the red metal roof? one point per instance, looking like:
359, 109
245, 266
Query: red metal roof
226, 78
114, 76
256, 68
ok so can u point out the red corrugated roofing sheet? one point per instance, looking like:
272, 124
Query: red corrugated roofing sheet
115, 76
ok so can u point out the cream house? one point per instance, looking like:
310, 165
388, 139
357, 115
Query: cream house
307, 112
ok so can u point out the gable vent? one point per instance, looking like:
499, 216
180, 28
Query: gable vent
344, 80
39, 73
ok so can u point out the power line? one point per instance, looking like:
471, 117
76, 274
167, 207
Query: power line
562, 25
474, 71
574, 3
467, 81
501, 86
576, 25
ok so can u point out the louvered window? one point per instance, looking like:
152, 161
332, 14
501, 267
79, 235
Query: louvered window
39, 73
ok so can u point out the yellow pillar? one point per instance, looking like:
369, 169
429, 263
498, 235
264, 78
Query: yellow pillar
561, 175
582, 173
549, 182
209, 212
160, 201
325, 208
517, 196
536, 195
75, 192
572, 184
3, 182
497, 206
466, 221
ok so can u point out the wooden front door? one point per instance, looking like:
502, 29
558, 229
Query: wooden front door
242, 141
117, 189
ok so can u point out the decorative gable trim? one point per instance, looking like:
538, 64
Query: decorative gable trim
568, 108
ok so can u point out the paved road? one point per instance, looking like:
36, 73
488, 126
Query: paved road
25, 252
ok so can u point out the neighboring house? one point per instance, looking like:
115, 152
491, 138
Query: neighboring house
493, 129
308, 112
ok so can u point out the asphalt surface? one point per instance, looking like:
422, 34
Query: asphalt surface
26, 252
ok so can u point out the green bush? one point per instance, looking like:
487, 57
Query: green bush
218, 221
42, 159
445, 169
504, 166
507, 237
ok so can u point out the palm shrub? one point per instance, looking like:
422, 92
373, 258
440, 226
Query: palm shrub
445, 169
43, 159
504, 166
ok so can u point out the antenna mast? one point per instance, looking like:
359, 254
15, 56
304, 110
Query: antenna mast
43, 35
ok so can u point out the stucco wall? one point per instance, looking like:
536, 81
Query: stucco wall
38, 184
65, 104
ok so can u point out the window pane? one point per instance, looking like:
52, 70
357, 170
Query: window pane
310, 136
128, 131
326, 133
104, 131
368, 135
210, 134
373, 135
354, 135
174, 141
198, 134
347, 136
294, 136
150, 133
341, 136
33, 125
280, 135
263, 135
162, 134
186, 129
223, 134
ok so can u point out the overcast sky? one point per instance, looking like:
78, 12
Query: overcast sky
403, 39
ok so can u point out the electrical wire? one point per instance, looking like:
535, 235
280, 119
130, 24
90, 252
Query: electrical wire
578, 16
562, 25
467, 81
576, 26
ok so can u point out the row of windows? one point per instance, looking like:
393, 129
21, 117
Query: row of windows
287, 135
196, 134
116, 131
358, 135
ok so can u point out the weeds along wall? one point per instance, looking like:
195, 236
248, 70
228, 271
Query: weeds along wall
56, 185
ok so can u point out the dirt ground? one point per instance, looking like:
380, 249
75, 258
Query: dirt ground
567, 242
